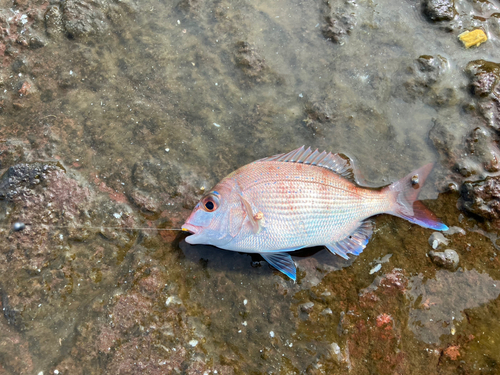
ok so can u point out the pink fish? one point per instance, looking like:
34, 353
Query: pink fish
290, 201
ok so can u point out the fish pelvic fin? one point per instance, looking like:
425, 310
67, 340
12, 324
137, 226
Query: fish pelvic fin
404, 195
282, 262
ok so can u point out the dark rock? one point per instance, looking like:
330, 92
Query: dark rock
482, 198
36, 42
485, 77
439, 10
447, 259
339, 20
22, 177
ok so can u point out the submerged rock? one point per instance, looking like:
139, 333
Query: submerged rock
446, 259
482, 149
339, 20
424, 82
485, 86
250, 61
439, 10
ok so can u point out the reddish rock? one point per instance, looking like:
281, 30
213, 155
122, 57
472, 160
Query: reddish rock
452, 352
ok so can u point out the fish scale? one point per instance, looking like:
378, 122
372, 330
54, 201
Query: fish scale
303, 198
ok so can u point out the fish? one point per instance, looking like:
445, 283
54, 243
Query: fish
304, 198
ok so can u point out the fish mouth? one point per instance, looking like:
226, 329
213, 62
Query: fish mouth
190, 228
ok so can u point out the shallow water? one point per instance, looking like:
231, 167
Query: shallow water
147, 105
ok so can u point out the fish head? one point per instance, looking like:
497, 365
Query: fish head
218, 216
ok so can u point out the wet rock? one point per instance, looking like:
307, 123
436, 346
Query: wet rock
439, 10
20, 65
54, 22
82, 18
483, 150
157, 177
485, 86
425, 81
36, 42
145, 201
443, 139
307, 307
23, 177
340, 20
437, 239
320, 111
485, 76
250, 61
482, 198
447, 259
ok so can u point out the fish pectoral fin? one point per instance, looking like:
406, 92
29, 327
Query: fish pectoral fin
282, 262
355, 242
257, 220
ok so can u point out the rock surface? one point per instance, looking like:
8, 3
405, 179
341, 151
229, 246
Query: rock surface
447, 259
482, 198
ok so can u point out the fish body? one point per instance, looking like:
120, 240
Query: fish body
301, 199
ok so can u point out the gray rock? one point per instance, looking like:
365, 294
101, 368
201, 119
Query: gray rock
437, 239
447, 259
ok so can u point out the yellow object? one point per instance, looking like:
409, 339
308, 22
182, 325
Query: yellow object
184, 230
473, 38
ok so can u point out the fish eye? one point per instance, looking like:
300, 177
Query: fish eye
210, 203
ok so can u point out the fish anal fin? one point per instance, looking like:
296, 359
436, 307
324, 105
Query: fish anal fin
338, 163
282, 262
355, 242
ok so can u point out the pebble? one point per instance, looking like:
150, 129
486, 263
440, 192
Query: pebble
18, 226
307, 307
447, 259
436, 239
375, 269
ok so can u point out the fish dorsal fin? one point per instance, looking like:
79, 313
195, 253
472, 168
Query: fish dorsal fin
337, 163
355, 242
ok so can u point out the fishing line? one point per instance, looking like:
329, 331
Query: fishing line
19, 226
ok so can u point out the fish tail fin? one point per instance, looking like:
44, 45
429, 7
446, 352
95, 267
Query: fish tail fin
404, 194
